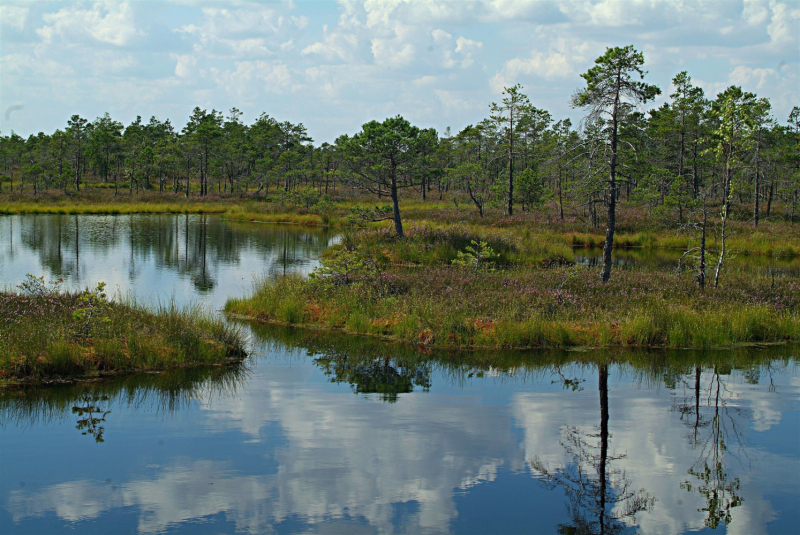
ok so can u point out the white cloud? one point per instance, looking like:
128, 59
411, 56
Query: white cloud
241, 20
467, 50
301, 22
441, 36
753, 79
335, 46
107, 22
389, 53
467, 46
19, 64
783, 26
184, 64
13, 16
251, 78
545, 65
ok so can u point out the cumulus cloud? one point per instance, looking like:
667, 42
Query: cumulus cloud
359, 57
334, 46
184, 64
106, 22
389, 53
252, 78
545, 65
13, 16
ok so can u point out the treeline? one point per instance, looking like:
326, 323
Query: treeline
680, 158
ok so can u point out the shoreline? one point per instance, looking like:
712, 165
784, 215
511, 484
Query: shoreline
624, 241
474, 348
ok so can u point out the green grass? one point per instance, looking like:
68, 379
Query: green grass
48, 335
409, 290
636, 228
653, 365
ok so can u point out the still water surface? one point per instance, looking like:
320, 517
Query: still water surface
320, 433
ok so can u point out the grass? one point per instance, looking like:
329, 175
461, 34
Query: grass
655, 364
636, 226
534, 297
50, 335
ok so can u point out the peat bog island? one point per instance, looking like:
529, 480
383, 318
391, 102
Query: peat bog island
579, 318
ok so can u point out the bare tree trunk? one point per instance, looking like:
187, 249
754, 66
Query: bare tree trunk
757, 182
560, 201
769, 196
725, 209
611, 224
511, 163
701, 277
398, 223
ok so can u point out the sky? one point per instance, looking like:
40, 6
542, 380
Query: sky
334, 65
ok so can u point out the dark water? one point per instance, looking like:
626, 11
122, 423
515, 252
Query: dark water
320, 433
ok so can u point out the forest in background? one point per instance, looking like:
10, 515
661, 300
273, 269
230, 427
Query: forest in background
496, 209
694, 163
692, 149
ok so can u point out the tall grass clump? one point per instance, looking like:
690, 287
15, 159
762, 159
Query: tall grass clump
46, 333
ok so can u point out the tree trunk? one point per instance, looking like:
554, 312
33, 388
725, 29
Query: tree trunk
757, 183
725, 209
769, 195
611, 224
511, 164
560, 201
612, 189
701, 277
398, 224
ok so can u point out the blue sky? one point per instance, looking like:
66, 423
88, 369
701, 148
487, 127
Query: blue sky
334, 65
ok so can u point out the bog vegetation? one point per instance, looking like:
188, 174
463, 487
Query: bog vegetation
47, 333
482, 222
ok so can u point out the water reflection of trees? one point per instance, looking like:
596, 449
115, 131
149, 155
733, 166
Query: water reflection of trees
193, 245
601, 497
91, 402
716, 431
386, 376
649, 368
91, 411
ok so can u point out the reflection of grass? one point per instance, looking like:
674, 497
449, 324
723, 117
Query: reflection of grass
48, 335
416, 295
169, 390
652, 365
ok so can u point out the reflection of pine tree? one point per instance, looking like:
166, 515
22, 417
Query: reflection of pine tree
384, 376
600, 497
721, 493
91, 415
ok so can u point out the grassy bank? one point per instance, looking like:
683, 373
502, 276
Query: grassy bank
652, 364
636, 228
47, 334
513, 292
